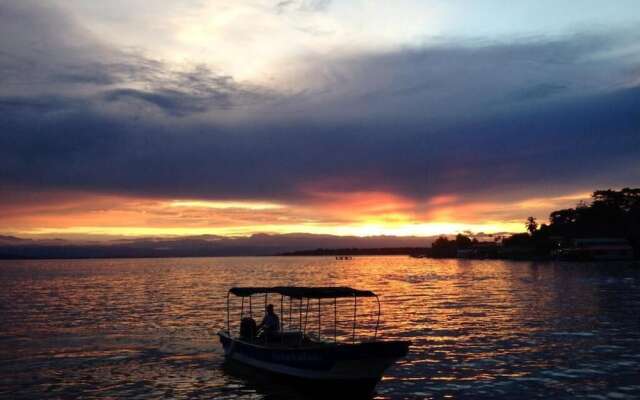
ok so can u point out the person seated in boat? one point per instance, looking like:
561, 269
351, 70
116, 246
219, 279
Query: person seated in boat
270, 325
248, 329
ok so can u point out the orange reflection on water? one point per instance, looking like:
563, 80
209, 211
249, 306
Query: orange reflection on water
473, 324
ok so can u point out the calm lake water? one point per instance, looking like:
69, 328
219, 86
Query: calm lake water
480, 329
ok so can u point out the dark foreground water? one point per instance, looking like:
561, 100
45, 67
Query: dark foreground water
480, 329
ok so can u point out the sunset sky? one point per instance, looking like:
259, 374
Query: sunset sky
156, 118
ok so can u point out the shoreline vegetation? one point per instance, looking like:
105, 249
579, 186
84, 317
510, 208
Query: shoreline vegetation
606, 228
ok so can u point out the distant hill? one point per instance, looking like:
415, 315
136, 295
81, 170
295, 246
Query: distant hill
200, 246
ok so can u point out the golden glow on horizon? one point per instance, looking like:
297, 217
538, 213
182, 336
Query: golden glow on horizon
225, 204
425, 229
342, 214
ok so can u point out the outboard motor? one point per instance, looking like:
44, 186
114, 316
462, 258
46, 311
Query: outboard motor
248, 328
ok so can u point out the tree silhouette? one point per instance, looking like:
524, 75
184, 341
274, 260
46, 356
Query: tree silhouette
531, 225
463, 242
609, 214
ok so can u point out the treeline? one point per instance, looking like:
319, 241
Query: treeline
444, 247
610, 214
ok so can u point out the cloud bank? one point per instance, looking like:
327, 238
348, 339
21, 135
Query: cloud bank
475, 119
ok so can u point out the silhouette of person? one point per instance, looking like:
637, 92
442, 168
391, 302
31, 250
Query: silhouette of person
270, 323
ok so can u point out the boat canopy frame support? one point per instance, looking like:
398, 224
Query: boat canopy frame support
308, 293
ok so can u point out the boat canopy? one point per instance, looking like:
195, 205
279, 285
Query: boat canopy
307, 292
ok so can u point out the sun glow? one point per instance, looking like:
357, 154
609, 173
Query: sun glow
222, 205
361, 230
342, 214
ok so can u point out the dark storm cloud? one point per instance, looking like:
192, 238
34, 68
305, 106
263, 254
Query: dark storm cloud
476, 119
568, 143
172, 102
455, 80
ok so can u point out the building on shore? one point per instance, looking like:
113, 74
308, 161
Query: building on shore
596, 249
479, 250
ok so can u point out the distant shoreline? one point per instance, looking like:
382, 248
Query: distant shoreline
361, 252
380, 251
416, 252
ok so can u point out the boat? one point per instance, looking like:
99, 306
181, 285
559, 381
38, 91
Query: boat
417, 255
328, 363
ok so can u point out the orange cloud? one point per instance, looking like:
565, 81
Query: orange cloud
358, 206
341, 213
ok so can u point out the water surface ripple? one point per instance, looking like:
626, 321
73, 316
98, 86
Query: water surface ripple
145, 329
